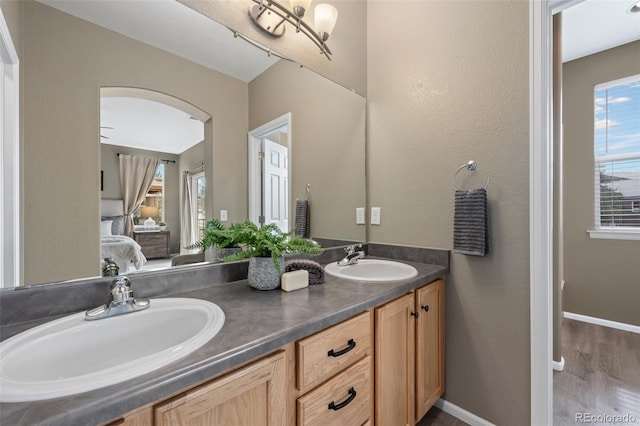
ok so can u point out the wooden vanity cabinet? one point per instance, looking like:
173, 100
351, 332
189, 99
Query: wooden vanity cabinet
252, 395
328, 378
334, 377
409, 355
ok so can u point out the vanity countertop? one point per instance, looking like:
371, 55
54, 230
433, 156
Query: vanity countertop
257, 322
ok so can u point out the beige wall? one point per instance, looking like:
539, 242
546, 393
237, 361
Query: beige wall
65, 62
328, 144
348, 41
450, 84
110, 166
601, 276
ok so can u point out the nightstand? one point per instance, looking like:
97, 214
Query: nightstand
154, 244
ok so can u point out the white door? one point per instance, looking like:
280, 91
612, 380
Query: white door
275, 182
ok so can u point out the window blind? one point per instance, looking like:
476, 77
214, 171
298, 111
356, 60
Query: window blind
617, 154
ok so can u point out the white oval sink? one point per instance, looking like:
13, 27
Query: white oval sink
372, 270
71, 355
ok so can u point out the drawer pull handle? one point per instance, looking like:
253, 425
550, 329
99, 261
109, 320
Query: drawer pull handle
336, 407
425, 308
351, 344
415, 314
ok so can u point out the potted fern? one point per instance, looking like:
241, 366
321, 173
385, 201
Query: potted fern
219, 242
265, 247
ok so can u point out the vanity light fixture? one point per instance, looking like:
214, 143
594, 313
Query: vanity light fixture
270, 16
635, 8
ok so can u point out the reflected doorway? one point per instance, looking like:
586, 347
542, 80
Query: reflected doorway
270, 173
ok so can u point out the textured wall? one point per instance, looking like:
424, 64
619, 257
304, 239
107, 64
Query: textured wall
328, 144
601, 276
65, 62
449, 84
347, 42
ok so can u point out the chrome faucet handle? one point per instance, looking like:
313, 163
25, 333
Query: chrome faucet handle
121, 290
352, 248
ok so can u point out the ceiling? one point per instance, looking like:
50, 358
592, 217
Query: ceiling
589, 27
178, 29
596, 25
144, 124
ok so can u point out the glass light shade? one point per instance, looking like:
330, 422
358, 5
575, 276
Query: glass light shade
325, 18
303, 4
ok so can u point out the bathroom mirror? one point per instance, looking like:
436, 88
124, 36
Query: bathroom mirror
66, 60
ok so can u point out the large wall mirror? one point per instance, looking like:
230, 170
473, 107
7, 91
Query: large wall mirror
72, 51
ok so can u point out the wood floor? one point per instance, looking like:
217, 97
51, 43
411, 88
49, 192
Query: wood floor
437, 417
601, 377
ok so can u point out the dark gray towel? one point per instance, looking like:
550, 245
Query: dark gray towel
316, 271
470, 234
303, 219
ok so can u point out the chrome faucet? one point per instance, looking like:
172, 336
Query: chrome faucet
353, 253
120, 302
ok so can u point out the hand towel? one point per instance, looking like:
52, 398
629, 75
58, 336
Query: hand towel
303, 219
470, 233
316, 271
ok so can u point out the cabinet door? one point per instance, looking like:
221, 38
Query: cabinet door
429, 346
394, 363
255, 395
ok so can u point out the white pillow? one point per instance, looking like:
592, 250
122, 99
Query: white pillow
105, 228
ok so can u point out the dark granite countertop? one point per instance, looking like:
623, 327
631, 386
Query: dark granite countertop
257, 322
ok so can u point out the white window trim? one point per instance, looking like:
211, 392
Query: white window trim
10, 225
615, 233
607, 232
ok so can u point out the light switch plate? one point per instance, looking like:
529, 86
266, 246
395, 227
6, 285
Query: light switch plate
375, 215
360, 220
223, 216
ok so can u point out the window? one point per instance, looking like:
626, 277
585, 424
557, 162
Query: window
197, 193
617, 159
155, 196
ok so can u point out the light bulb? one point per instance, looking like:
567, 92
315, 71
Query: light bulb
325, 19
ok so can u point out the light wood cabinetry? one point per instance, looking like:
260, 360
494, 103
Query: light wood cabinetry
328, 378
325, 353
409, 355
334, 374
394, 369
252, 395
343, 400
429, 346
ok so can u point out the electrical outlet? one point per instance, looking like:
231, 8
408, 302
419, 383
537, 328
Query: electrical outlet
360, 216
375, 215
223, 216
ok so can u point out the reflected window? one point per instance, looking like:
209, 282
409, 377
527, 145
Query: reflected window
197, 193
155, 196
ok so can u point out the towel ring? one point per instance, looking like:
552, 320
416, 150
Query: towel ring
469, 165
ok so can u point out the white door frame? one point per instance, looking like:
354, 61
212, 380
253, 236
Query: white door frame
254, 140
10, 260
541, 204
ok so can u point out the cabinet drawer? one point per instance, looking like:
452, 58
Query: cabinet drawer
152, 239
325, 353
343, 400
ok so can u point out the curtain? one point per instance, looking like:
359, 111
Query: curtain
136, 176
187, 227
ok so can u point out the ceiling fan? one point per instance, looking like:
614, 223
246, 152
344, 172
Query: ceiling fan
105, 127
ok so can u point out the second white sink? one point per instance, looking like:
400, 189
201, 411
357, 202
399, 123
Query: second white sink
372, 270
71, 355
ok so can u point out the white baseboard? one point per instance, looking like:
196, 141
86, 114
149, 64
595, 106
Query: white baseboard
461, 413
603, 322
558, 365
